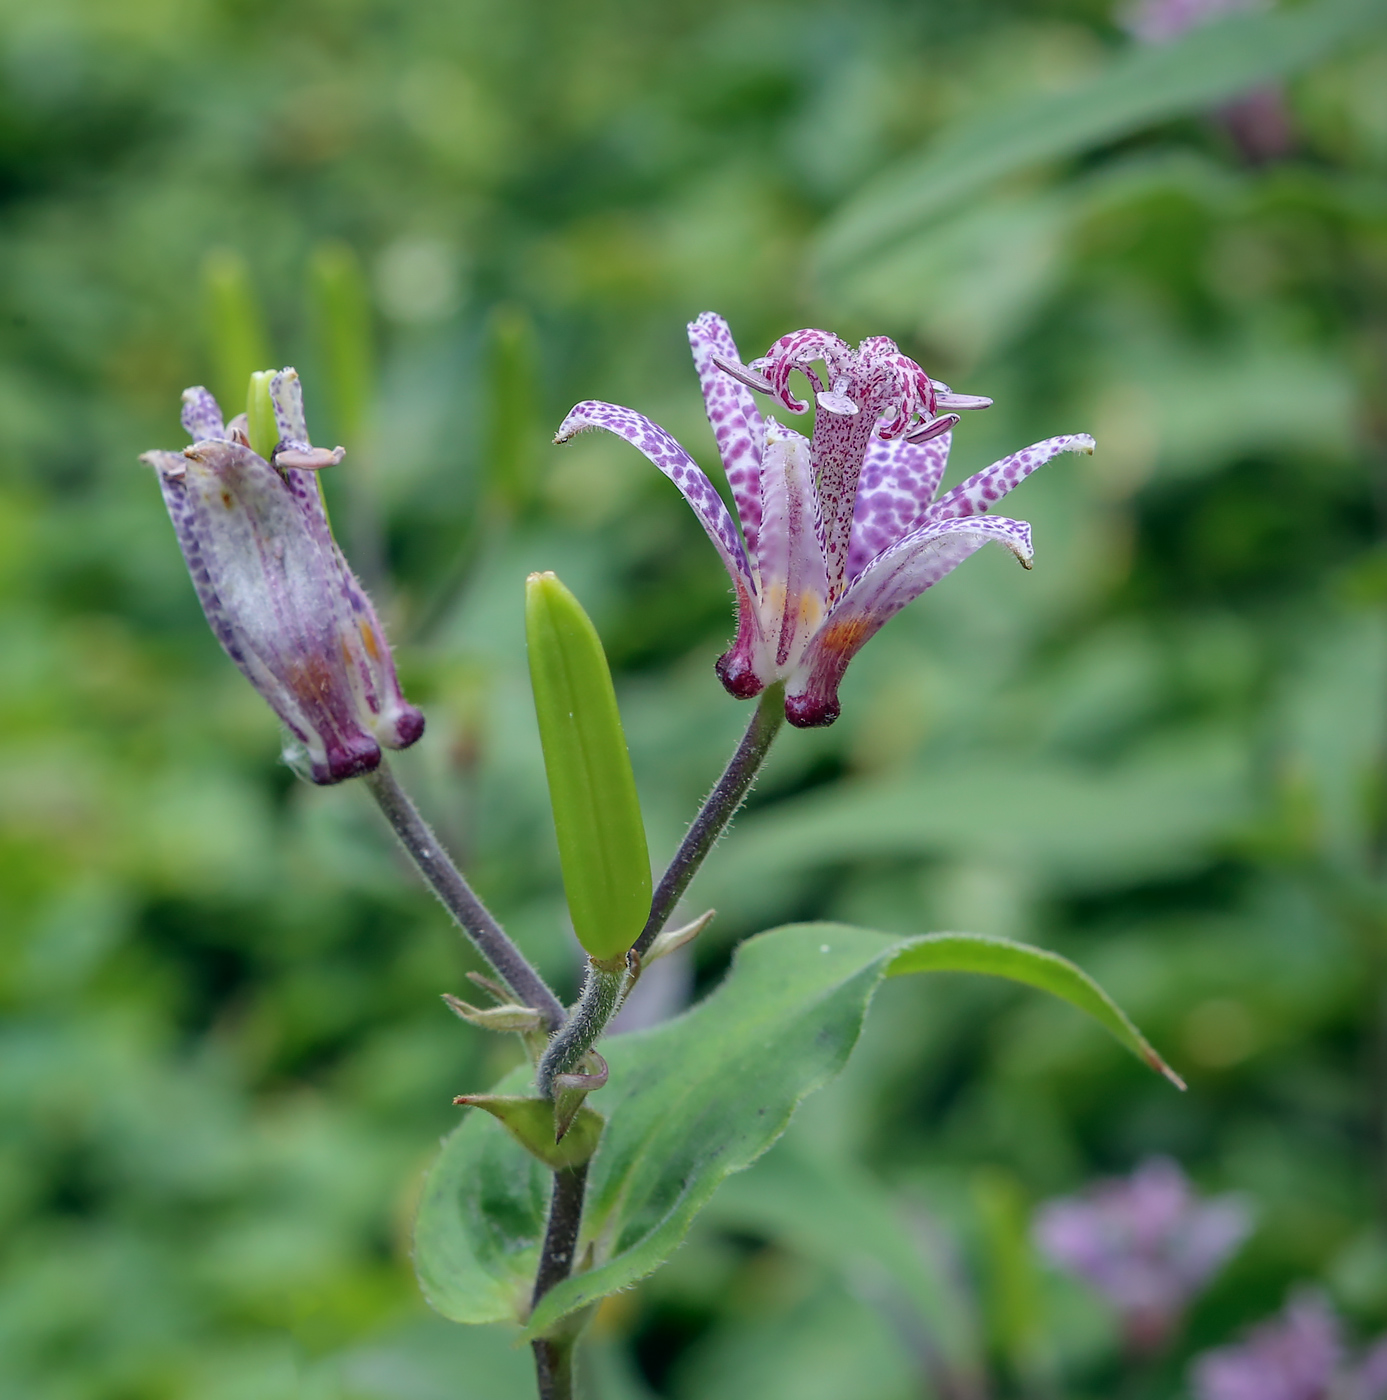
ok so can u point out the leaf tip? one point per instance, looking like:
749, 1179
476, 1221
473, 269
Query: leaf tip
1161, 1068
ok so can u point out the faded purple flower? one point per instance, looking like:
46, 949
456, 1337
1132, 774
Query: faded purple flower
1145, 1242
1295, 1356
1258, 122
839, 531
275, 587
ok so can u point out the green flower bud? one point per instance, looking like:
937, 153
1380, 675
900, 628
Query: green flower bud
261, 426
597, 815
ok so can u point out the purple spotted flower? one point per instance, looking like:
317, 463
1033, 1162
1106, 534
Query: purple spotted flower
838, 531
1146, 1243
276, 589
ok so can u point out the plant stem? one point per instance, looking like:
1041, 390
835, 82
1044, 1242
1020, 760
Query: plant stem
554, 1354
601, 996
458, 898
718, 809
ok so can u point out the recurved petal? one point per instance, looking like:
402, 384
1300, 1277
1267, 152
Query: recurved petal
666, 454
898, 482
273, 596
881, 590
983, 489
736, 421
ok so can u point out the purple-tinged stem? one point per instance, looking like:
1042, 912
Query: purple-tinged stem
458, 897
719, 808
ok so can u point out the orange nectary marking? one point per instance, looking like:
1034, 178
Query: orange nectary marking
368, 636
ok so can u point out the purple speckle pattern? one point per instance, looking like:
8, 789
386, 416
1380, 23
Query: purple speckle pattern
201, 416
286, 393
666, 454
842, 530
879, 592
1146, 1242
894, 492
736, 421
984, 489
280, 598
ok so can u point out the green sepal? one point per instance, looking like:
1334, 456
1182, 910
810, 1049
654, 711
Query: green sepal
597, 815
531, 1123
261, 427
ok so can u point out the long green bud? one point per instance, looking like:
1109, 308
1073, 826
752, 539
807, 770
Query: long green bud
597, 815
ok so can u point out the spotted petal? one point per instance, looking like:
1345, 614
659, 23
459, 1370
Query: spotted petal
898, 482
794, 588
201, 416
738, 668
735, 419
881, 590
983, 489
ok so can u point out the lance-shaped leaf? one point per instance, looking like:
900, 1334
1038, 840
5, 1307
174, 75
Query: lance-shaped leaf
597, 814
1143, 86
689, 1103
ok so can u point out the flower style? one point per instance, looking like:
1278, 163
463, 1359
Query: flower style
1146, 1243
275, 587
839, 531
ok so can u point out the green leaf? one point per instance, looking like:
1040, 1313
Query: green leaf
481, 1220
1144, 85
689, 1103
530, 1122
835, 1212
1036, 967
597, 814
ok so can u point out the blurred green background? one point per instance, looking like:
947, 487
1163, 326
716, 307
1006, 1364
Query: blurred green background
224, 1063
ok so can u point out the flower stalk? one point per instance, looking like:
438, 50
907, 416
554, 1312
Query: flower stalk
458, 897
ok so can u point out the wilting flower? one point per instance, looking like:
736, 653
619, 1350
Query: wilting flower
840, 531
1145, 1242
275, 587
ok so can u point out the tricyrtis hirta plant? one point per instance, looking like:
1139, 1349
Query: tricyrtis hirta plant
838, 531
544, 1203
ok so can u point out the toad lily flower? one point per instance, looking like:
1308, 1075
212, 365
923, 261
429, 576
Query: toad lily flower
839, 531
275, 587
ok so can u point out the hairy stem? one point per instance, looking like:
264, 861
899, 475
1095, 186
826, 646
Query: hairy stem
554, 1353
719, 808
597, 1005
601, 996
458, 897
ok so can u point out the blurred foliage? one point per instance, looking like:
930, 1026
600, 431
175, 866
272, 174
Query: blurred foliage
223, 1061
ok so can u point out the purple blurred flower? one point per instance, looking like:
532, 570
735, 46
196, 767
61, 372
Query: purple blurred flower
1145, 1242
275, 588
839, 531
1295, 1356
1298, 1355
1258, 122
